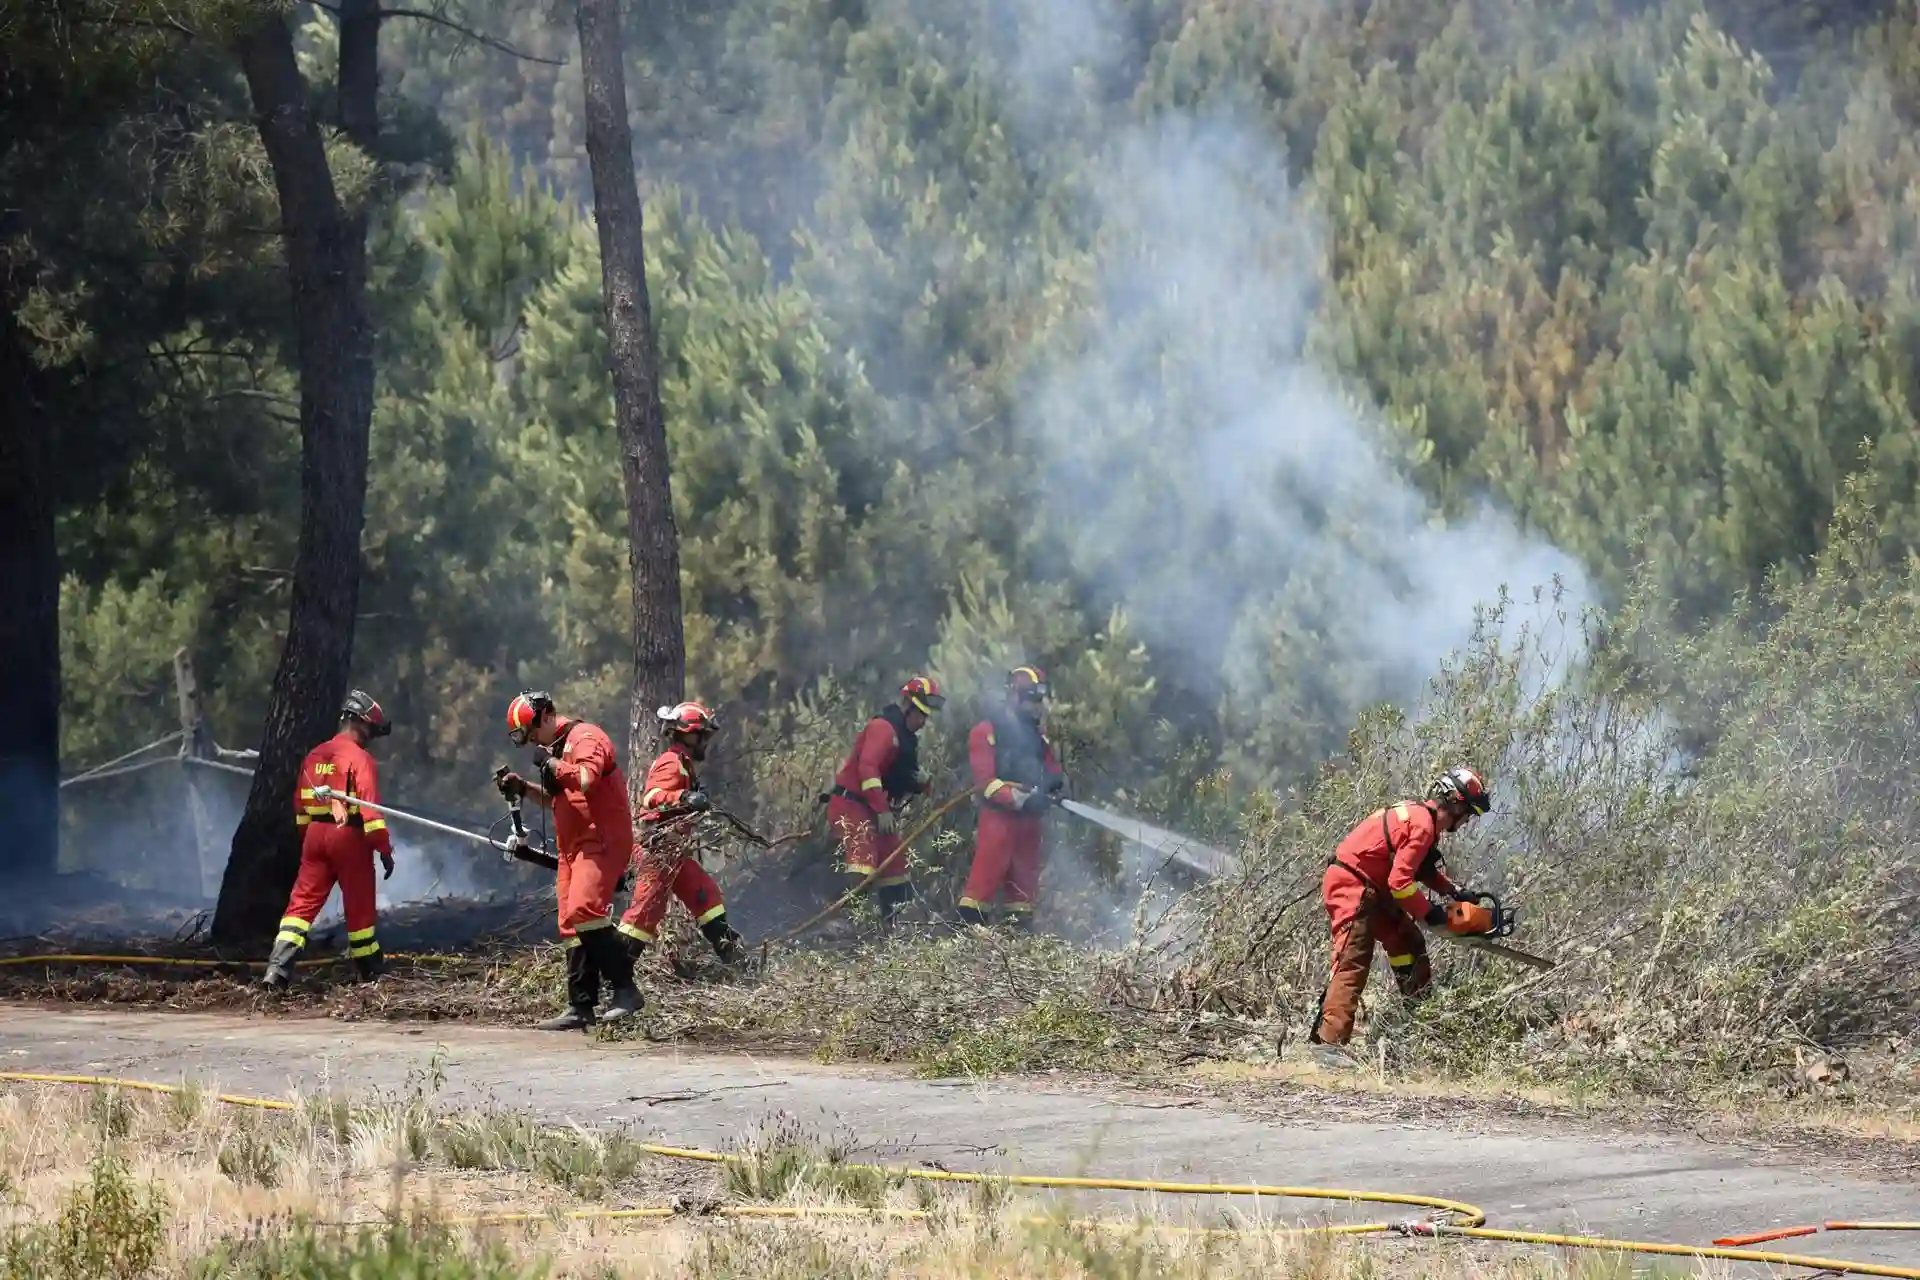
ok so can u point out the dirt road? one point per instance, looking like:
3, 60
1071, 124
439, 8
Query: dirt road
1650, 1188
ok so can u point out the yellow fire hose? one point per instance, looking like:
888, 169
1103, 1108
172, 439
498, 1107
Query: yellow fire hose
1464, 1220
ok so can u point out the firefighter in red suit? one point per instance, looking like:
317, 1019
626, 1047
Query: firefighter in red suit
878, 777
1373, 894
337, 842
581, 782
1017, 776
668, 862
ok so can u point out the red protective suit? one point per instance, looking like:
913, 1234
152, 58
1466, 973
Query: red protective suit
1007, 756
667, 864
876, 777
337, 844
1372, 893
591, 826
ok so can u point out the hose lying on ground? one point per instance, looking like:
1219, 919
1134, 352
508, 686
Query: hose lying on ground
1459, 1218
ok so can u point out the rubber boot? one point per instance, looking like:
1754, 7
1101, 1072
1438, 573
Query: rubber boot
636, 947
891, 898
726, 943
370, 967
583, 992
608, 955
280, 962
574, 1019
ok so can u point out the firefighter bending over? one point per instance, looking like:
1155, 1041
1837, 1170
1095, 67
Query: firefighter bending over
668, 859
337, 842
1017, 775
1373, 892
580, 780
879, 776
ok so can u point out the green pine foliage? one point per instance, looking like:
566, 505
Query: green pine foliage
1643, 276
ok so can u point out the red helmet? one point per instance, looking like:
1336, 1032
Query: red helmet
1461, 785
1027, 684
359, 705
687, 717
524, 712
922, 693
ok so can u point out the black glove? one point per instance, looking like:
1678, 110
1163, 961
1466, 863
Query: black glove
549, 780
696, 801
386, 862
1465, 895
512, 786
1035, 802
1056, 782
1436, 915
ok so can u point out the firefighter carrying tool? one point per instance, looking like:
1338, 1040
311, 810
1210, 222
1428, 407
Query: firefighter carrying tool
1373, 892
580, 780
337, 842
1017, 778
671, 808
879, 777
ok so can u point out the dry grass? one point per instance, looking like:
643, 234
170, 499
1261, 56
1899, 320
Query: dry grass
104, 1182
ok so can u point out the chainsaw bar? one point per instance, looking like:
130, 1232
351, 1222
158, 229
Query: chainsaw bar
1502, 949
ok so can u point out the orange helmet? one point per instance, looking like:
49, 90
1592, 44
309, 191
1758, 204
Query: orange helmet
687, 717
922, 693
1461, 785
1027, 684
524, 712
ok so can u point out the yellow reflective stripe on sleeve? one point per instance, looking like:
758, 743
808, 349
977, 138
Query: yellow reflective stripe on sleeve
707, 917
870, 784
302, 820
374, 824
586, 777
1399, 962
991, 740
364, 950
295, 922
306, 793
1400, 811
996, 785
652, 797
1407, 892
682, 766
634, 931
360, 935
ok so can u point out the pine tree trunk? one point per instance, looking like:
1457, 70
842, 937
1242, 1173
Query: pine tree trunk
653, 541
29, 618
326, 248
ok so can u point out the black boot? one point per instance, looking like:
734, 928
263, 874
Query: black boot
280, 962
583, 992
890, 898
636, 947
726, 943
973, 915
574, 1019
370, 967
608, 954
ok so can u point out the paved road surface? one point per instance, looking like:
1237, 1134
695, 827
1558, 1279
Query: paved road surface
1640, 1187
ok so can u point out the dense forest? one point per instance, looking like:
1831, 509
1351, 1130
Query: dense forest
1223, 356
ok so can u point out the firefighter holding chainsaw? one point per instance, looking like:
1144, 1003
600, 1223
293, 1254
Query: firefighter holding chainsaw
669, 865
1383, 882
879, 776
338, 842
1017, 777
581, 782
